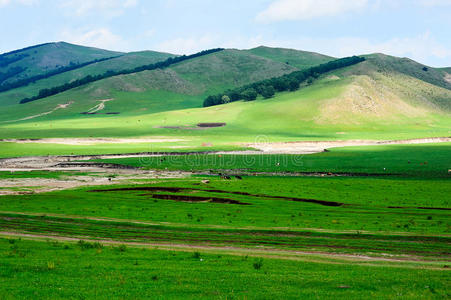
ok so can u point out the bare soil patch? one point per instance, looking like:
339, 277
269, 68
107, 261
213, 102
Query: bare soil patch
447, 77
100, 176
184, 198
211, 125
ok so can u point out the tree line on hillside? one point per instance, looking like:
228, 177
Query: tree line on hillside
26, 81
91, 78
11, 72
289, 82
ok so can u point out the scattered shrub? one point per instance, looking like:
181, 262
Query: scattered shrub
87, 245
258, 264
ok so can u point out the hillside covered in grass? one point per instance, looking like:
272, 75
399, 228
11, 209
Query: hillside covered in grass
46, 58
381, 97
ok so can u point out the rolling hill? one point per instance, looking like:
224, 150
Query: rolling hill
183, 85
44, 58
383, 97
296, 58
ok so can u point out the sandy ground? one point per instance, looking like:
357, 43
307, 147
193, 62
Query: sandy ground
106, 174
92, 141
98, 176
320, 146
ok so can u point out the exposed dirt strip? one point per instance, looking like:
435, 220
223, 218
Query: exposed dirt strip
321, 146
93, 141
59, 106
100, 176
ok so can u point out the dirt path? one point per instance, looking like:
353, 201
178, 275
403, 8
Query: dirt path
99, 106
405, 261
59, 106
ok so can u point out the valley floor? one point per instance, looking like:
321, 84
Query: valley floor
351, 223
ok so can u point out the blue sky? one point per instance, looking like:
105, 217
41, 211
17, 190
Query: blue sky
419, 29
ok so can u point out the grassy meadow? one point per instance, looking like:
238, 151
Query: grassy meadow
85, 270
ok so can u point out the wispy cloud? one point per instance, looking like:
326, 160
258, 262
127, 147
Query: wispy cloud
109, 8
283, 10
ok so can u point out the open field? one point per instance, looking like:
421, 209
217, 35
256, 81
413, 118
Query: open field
126, 188
411, 160
89, 270
281, 232
411, 205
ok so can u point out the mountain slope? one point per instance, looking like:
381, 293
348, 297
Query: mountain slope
383, 97
358, 102
296, 58
405, 78
126, 61
183, 85
44, 58
409, 67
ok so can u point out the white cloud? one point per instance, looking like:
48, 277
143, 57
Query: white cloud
109, 8
100, 38
281, 10
188, 45
22, 2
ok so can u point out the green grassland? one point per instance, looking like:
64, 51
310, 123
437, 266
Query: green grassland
105, 272
424, 160
398, 205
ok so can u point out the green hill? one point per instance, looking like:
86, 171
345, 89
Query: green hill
125, 61
382, 97
40, 59
295, 58
387, 63
183, 85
